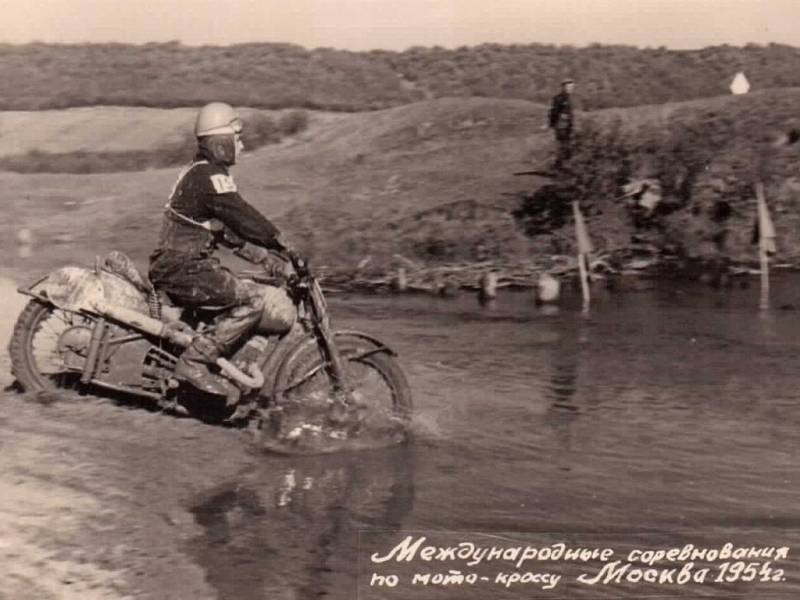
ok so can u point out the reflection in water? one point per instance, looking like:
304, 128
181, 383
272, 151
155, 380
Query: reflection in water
289, 528
663, 412
562, 410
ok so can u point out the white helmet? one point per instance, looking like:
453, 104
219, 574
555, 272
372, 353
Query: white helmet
217, 118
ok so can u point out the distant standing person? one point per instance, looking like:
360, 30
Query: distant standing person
560, 120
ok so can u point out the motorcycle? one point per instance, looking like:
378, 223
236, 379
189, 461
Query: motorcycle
106, 328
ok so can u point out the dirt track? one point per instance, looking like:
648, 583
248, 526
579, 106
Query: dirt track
93, 496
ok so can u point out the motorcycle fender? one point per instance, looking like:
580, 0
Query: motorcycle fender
69, 288
310, 340
364, 336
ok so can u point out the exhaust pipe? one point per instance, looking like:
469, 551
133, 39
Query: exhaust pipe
254, 381
179, 337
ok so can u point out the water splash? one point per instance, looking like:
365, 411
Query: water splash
320, 424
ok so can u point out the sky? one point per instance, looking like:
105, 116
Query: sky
401, 24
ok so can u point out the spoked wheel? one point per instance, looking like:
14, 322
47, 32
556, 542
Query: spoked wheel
375, 378
48, 347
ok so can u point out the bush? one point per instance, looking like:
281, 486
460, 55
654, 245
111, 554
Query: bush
259, 130
293, 122
706, 159
40, 76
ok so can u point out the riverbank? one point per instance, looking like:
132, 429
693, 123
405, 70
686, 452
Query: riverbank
407, 276
435, 182
93, 499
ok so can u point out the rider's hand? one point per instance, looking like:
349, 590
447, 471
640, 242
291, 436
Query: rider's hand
279, 269
254, 254
295, 257
287, 270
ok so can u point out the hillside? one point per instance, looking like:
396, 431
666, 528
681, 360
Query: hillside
113, 138
338, 188
266, 75
99, 129
433, 181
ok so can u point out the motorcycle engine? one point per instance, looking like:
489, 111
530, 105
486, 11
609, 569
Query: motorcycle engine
73, 346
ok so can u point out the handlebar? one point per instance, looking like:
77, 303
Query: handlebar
299, 265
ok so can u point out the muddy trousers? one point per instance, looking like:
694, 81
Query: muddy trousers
205, 283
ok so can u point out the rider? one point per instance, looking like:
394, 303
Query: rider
205, 200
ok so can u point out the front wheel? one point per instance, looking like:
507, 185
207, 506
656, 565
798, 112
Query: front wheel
374, 376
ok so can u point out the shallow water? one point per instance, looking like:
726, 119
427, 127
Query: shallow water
672, 411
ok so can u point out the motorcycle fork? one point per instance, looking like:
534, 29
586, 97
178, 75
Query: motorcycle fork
341, 385
338, 373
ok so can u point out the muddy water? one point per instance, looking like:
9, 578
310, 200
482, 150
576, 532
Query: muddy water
670, 415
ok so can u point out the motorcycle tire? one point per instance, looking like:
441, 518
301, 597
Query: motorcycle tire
369, 369
40, 324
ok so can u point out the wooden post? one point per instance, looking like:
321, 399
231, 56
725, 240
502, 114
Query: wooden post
764, 260
766, 243
584, 248
584, 281
401, 281
488, 287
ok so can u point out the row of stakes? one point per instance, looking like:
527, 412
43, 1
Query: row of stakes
548, 288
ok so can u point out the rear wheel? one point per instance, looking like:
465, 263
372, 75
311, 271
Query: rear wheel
48, 347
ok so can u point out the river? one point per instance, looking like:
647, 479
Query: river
666, 416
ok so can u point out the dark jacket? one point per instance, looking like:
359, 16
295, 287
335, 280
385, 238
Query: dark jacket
560, 115
205, 191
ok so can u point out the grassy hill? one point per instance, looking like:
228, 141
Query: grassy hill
433, 181
265, 75
113, 138
349, 186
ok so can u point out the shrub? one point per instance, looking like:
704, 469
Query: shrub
259, 130
39, 76
293, 122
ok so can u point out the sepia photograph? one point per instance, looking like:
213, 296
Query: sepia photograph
400, 300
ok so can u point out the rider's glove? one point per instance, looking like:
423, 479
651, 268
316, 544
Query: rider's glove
279, 269
294, 256
254, 254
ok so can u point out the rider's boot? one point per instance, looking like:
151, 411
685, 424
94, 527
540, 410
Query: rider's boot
229, 327
193, 364
206, 349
